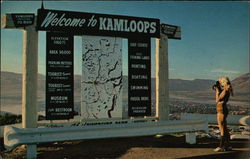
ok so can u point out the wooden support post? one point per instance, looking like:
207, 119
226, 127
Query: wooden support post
30, 69
29, 78
29, 88
161, 75
191, 138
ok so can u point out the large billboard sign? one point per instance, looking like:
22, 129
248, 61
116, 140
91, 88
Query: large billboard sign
97, 24
59, 76
139, 77
101, 62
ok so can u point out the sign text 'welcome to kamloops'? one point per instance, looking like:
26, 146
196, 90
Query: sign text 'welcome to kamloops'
97, 24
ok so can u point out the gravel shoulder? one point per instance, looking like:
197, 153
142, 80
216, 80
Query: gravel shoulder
147, 147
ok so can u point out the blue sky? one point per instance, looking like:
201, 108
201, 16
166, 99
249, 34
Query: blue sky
215, 35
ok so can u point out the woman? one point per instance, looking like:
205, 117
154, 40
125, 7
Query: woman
222, 97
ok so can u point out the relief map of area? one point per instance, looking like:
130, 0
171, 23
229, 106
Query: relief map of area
101, 77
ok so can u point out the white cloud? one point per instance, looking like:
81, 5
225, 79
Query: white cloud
225, 71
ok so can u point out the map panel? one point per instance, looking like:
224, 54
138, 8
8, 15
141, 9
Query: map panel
101, 77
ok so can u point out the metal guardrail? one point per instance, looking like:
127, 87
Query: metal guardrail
77, 121
212, 119
15, 136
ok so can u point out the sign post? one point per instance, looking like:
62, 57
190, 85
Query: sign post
161, 69
30, 69
161, 78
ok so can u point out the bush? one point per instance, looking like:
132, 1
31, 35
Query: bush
7, 119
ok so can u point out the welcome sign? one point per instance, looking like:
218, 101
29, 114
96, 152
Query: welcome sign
97, 24
102, 75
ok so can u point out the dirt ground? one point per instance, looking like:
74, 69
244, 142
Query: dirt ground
148, 147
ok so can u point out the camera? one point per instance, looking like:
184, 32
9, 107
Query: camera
217, 84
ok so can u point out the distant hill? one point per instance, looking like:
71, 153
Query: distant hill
201, 90
190, 85
241, 85
198, 90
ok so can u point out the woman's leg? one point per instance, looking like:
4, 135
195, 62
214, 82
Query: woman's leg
220, 121
227, 135
221, 124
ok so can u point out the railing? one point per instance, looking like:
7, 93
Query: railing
15, 136
212, 119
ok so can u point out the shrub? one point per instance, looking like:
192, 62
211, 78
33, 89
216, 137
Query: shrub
7, 119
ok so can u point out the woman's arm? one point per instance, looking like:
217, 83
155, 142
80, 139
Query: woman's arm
217, 95
222, 95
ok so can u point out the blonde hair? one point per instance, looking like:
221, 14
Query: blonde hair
226, 81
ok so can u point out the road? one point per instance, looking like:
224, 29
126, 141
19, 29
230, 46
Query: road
148, 147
